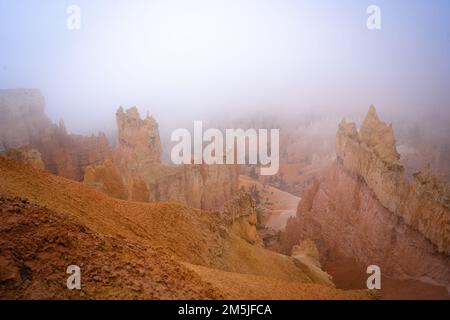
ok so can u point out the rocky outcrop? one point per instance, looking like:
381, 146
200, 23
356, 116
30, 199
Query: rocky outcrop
107, 178
200, 186
364, 209
67, 154
22, 118
306, 257
133, 171
27, 155
139, 146
137, 163
371, 155
131, 250
23, 122
240, 214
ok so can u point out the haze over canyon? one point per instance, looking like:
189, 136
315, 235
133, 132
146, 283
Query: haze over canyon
221, 231
211, 149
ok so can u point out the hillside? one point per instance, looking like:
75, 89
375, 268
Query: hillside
133, 250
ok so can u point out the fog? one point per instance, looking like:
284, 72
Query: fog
187, 60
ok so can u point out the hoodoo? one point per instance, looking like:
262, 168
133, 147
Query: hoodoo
136, 172
364, 209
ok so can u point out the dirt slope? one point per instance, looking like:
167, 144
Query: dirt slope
128, 249
243, 286
37, 245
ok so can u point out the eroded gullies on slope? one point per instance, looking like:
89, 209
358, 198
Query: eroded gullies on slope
360, 210
145, 240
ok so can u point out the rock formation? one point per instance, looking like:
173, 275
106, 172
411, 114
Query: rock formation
133, 171
22, 118
23, 122
137, 163
371, 154
306, 257
139, 146
132, 250
106, 177
240, 213
363, 208
27, 155
67, 154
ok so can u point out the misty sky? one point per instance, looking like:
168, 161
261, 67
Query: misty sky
187, 59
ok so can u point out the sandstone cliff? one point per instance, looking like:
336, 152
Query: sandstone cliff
105, 177
371, 154
240, 213
26, 155
137, 164
306, 257
22, 118
139, 146
23, 122
133, 171
67, 154
363, 208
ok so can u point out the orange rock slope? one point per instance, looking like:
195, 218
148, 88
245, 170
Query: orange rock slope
137, 250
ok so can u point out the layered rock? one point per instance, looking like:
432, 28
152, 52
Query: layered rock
371, 154
26, 155
306, 257
240, 213
139, 146
365, 210
130, 250
22, 118
137, 161
133, 171
200, 186
67, 154
107, 178
23, 122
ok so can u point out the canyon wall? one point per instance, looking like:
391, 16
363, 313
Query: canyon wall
365, 209
239, 214
137, 164
24, 122
371, 153
133, 171
22, 117
26, 155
